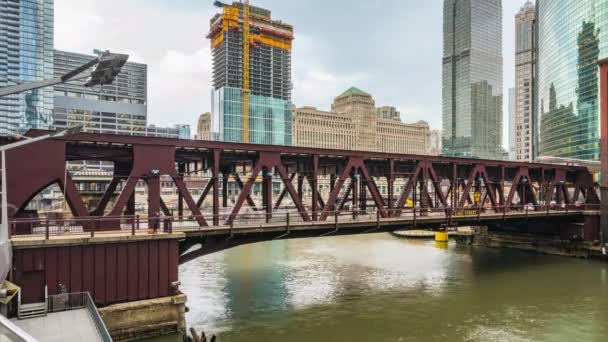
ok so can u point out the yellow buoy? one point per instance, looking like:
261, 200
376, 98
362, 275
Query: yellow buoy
441, 245
442, 236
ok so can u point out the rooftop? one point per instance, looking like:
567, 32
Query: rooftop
354, 91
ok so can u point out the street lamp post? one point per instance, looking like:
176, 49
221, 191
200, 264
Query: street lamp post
99, 71
106, 68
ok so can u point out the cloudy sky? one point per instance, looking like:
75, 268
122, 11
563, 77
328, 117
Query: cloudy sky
389, 48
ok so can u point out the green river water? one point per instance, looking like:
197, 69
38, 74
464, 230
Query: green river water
382, 288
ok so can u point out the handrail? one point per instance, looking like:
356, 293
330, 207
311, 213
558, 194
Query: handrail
11, 331
168, 224
102, 330
80, 300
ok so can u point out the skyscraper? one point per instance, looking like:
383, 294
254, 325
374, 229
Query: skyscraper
572, 37
525, 82
26, 54
472, 78
512, 128
251, 97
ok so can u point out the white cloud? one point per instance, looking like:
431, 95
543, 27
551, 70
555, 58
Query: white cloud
169, 40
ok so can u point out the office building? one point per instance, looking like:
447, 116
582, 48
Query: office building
203, 127
175, 132
472, 78
117, 108
436, 142
26, 55
388, 112
251, 96
512, 136
354, 124
572, 37
525, 82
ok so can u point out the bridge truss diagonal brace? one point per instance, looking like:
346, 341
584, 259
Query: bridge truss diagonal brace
479, 172
353, 166
407, 189
268, 160
424, 169
517, 185
161, 159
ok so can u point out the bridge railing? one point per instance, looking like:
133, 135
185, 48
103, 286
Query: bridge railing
92, 226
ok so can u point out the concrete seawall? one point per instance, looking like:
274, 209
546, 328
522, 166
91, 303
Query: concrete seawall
146, 318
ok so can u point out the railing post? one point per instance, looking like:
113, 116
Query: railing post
170, 228
137, 221
93, 226
335, 219
46, 231
133, 227
478, 213
526, 211
287, 220
378, 219
414, 217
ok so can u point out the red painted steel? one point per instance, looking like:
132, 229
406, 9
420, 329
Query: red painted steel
447, 184
112, 273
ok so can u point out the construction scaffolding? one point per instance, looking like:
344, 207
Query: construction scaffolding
251, 52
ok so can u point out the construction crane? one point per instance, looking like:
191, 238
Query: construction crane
246, 37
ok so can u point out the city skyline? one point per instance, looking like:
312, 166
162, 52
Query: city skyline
325, 61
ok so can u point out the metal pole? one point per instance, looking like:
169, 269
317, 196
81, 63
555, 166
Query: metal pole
4, 227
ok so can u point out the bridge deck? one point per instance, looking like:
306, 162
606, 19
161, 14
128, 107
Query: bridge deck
359, 224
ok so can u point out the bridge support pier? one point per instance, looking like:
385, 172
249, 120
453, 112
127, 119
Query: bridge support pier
591, 230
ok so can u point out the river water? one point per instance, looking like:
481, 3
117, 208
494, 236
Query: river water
382, 288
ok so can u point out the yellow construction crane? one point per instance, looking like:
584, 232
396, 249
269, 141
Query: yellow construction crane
246, 36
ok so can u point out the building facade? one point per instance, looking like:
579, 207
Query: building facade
472, 78
354, 124
203, 127
251, 96
117, 108
26, 55
572, 37
388, 112
525, 82
436, 142
175, 132
512, 128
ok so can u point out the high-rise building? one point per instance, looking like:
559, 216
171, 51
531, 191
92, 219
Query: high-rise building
251, 96
472, 78
388, 112
353, 124
525, 82
26, 55
117, 108
204, 124
512, 128
572, 37
436, 142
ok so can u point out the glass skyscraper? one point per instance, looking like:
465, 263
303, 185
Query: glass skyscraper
572, 37
26, 54
472, 78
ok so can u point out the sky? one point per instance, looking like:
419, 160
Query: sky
391, 49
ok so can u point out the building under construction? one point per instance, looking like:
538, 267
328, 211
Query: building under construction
251, 97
